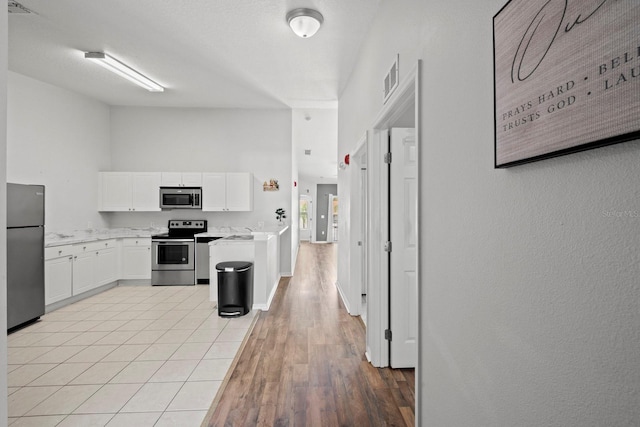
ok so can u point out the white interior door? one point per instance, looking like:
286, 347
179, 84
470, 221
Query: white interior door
363, 228
403, 291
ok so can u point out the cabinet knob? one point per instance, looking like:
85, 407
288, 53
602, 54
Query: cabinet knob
84, 248
59, 252
70, 258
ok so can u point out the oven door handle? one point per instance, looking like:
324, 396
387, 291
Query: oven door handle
169, 241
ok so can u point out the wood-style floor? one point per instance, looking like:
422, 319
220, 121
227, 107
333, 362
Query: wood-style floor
304, 363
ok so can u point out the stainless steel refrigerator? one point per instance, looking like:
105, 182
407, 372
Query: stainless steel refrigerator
25, 253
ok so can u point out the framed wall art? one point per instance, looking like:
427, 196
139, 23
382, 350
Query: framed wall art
566, 77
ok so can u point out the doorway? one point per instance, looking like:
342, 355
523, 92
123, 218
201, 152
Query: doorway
323, 219
306, 217
402, 110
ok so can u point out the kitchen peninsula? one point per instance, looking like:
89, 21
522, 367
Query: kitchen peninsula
262, 248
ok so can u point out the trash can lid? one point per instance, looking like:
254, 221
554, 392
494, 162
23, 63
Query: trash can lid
230, 266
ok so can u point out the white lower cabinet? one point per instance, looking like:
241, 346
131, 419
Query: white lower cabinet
106, 266
136, 258
58, 273
71, 270
94, 264
84, 265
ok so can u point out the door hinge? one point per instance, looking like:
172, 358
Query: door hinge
387, 334
387, 158
387, 246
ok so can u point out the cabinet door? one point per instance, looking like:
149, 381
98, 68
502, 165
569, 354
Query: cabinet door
171, 179
214, 190
58, 276
181, 179
106, 266
146, 191
115, 191
136, 262
239, 191
192, 179
83, 272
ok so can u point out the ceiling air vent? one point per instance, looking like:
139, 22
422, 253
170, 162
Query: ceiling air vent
15, 7
391, 80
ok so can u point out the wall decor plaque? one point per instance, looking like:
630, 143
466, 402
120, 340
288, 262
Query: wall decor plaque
566, 77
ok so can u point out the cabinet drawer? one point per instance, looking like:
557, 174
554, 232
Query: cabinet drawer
136, 241
58, 251
106, 244
95, 246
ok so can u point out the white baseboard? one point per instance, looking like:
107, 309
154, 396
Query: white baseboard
344, 300
265, 307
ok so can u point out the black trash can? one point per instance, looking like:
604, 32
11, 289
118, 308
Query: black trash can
235, 288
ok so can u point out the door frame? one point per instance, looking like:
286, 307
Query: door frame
406, 95
358, 258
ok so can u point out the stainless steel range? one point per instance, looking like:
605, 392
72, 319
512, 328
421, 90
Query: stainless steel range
173, 253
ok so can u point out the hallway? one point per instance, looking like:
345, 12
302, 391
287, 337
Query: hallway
304, 361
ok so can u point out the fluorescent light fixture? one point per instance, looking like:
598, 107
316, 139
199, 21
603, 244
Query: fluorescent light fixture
115, 66
304, 22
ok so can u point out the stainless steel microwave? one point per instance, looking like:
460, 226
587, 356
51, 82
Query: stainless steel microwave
180, 198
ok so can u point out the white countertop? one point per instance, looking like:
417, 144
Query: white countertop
231, 231
82, 236
275, 229
91, 235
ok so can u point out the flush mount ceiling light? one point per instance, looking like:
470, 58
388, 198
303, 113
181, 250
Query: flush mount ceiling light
115, 66
304, 22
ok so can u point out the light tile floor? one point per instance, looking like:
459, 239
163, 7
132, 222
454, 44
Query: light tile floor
131, 356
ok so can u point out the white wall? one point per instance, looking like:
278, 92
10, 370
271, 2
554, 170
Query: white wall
529, 287
60, 139
3, 214
216, 140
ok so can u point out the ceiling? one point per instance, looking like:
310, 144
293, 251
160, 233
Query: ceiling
206, 53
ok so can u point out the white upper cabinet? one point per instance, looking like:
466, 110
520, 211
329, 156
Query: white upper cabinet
181, 179
227, 191
239, 191
129, 191
214, 191
146, 191
115, 191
